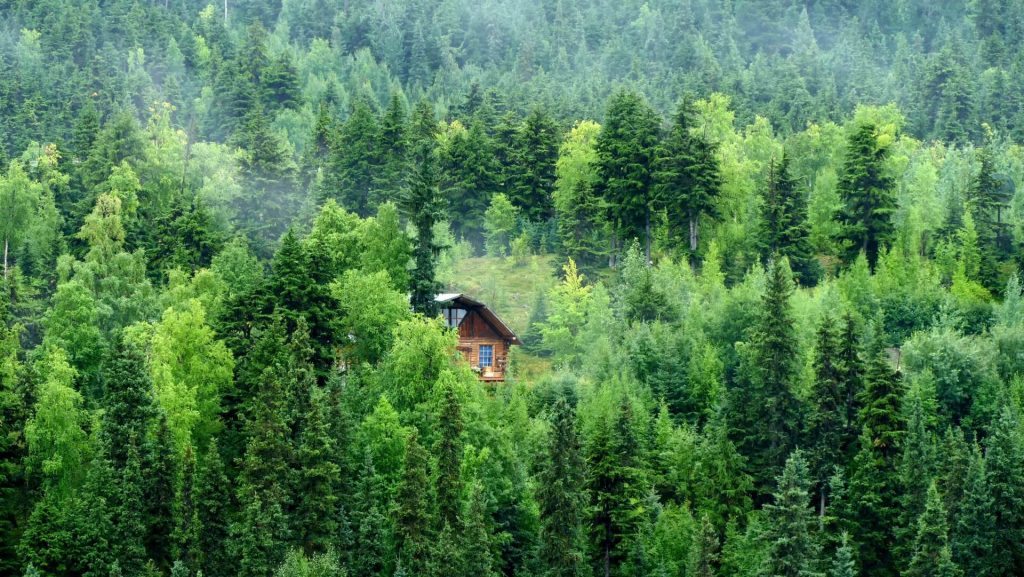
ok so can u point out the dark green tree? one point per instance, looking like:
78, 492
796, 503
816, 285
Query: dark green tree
413, 517
531, 176
932, 557
784, 228
625, 160
972, 534
561, 498
319, 476
449, 457
423, 205
354, 160
1005, 477
213, 505
867, 192
794, 549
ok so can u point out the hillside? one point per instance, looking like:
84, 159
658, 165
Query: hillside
764, 257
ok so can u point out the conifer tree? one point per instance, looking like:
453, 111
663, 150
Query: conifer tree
394, 149
625, 158
768, 413
704, 550
354, 160
449, 457
318, 477
867, 194
532, 173
160, 470
844, 565
1005, 477
422, 204
560, 497
412, 516
127, 403
917, 469
187, 529
373, 547
972, 535
128, 509
617, 485
688, 176
794, 548
476, 543
784, 227
932, 557
826, 424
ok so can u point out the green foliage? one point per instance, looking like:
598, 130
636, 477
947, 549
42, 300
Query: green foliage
866, 190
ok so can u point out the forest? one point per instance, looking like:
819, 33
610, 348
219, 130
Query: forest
763, 257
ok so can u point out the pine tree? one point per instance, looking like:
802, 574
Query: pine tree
917, 469
412, 516
972, 536
617, 485
867, 194
449, 458
844, 564
394, 150
688, 176
373, 541
794, 549
932, 557
625, 159
768, 411
561, 498
318, 477
784, 228
355, 159
423, 205
1005, 477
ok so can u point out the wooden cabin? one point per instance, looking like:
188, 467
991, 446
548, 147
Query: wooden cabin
484, 339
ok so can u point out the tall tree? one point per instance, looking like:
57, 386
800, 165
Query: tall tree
784, 227
532, 173
1005, 451
422, 203
932, 557
794, 548
625, 160
561, 498
688, 176
449, 455
867, 192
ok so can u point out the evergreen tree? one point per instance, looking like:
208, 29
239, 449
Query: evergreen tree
354, 160
129, 525
449, 458
128, 401
625, 158
932, 557
826, 424
532, 172
972, 535
422, 204
784, 227
412, 515
704, 550
794, 549
844, 564
866, 190
688, 176
1004, 452
187, 530
476, 543
768, 412
160, 471
617, 485
318, 477
561, 498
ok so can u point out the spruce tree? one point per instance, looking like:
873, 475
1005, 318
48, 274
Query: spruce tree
449, 458
704, 550
917, 469
128, 510
476, 541
413, 512
826, 424
214, 506
128, 401
160, 471
561, 498
318, 477
354, 161
784, 228
187, 529
794, 548
688, 176
625, 160
532, 172
932, 557
844, 565
768, 412
423, 205
617, 485
867, 193
1005, 477
972, 535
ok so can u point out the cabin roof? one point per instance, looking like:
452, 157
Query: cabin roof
490, 316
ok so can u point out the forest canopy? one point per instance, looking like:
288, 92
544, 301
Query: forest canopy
763, 259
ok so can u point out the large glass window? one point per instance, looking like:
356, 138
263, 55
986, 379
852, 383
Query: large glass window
454, 316
486, 355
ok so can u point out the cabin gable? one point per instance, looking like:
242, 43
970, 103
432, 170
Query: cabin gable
484, 340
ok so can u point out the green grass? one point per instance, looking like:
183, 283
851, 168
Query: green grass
508, 290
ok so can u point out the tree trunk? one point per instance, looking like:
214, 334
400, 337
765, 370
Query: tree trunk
225, 13
611, 252
693, 235
6, 242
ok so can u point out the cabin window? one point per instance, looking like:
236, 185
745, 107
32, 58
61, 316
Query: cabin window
454, 317
486, 355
